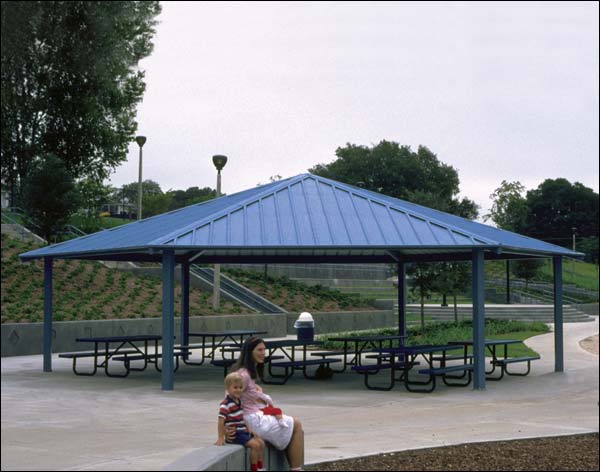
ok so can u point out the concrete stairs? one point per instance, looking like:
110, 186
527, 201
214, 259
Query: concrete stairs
544, 313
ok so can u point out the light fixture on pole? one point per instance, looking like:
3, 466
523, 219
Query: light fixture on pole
219, 161
574, 230
141, 140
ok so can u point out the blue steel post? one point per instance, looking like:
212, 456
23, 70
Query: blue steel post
478, 321
168, 322
47, 343
558, 314
401, 299
185, 304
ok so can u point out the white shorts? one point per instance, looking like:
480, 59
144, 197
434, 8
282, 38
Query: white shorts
269, 428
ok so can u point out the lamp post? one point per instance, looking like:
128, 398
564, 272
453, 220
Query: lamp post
574, 230
141, 140
219, 161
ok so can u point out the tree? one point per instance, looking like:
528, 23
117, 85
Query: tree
453, 278
191, 196
590, 247
70, 83
423, 276
556, 207
49, 195
130, 191
156, 204
526, 269
395, 170
509, 210
90, 195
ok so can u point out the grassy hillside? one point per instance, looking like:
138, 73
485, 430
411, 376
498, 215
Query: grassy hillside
87, 291
84, 290
575, 272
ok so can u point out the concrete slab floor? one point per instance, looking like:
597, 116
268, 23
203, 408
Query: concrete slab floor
59, 421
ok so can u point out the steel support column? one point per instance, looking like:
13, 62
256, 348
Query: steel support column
168, 322
558, 314
478, 321
507, 281
185, 304
401, 299
47, 339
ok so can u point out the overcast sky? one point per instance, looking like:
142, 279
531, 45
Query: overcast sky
505, 91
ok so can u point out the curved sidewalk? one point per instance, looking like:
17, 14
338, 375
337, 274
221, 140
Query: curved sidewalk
59, 421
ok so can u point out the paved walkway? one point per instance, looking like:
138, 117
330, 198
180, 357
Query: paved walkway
58, 421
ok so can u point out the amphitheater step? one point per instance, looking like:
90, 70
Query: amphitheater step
544, 313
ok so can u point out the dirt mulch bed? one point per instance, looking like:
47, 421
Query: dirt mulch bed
577, 452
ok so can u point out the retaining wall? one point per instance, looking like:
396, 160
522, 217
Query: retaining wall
21, 339
228, 457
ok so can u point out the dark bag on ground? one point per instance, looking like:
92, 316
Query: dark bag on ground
323, 372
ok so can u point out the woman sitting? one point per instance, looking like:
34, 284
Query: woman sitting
283, 432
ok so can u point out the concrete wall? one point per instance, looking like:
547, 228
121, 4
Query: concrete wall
346, 321
20, 339
228, 457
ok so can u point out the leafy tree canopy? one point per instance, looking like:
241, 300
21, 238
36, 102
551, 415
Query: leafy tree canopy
397, 171
556, 207
552, 212
49, 194
509, 210
70, 82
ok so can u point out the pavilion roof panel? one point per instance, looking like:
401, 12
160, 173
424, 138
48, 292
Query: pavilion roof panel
302, 211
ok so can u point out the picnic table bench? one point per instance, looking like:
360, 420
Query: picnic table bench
434, 372
147, 358
499, 360
292, 365
361, 345
213, 340
227, 363
124, 345
504, 363
368, 370
404, 358
95, 355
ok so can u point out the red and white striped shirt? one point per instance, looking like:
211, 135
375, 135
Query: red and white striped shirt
231, 411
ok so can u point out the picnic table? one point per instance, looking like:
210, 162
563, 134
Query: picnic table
214, 340
126, 346
287, 354
499, 360
361, 344
405, 358
280, 357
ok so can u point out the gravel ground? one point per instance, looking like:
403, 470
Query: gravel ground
578, 452
590, 344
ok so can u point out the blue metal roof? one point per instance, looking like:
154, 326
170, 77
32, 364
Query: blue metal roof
301, 216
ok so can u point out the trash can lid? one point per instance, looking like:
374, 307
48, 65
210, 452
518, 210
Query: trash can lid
305, 316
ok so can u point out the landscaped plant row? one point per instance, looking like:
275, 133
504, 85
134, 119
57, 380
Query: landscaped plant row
86, 290
442, 333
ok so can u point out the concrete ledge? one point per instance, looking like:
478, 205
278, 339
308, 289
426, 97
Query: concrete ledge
228, 457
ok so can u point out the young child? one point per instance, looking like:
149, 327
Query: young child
230, 414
